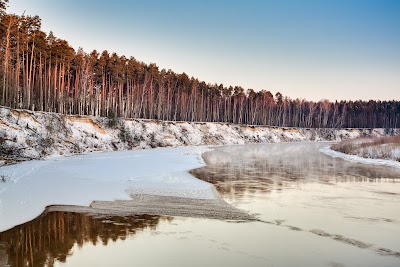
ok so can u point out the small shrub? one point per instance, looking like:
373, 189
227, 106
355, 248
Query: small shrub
49, 128
344, 147
112, 120
57, 125
29, 142
125, 136
153, 143
389, 131
4, 178
144, 126
137, 138
45, 143
7, 148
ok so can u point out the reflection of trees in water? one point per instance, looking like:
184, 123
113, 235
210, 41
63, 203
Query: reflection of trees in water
238, 170
51, 236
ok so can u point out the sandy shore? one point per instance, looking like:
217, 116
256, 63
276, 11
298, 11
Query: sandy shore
161, 205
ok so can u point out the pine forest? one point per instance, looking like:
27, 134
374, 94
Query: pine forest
41, 72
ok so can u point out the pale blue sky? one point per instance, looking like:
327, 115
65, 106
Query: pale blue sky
313, 49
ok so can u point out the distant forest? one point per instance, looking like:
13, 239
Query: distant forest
41, 72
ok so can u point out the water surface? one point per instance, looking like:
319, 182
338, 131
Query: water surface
314, 210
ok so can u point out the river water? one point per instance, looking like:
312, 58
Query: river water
313, 210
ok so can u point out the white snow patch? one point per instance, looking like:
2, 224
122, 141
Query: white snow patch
78, 180
354, 158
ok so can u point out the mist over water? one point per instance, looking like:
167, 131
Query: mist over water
241, 170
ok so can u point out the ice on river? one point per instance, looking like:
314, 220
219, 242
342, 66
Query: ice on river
80, 179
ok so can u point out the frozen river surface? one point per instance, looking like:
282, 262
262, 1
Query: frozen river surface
313, 210
80, 179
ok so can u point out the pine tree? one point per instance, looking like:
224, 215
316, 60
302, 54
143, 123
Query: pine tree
3, 7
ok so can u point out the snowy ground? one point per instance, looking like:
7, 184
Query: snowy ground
383, 150
78, 180
355, 158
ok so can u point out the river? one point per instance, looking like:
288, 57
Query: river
312, 210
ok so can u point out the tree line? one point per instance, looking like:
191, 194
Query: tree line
41, 72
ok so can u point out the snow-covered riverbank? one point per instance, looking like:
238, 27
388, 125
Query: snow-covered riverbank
355, 158
26, 135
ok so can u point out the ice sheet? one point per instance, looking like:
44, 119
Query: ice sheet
78, 180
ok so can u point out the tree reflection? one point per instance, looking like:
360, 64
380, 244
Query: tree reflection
249, 169
51, 236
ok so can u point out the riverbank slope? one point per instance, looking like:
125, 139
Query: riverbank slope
28, 135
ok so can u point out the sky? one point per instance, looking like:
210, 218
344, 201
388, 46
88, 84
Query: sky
312, 49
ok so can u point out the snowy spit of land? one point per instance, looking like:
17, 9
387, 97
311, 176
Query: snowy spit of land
378, 150
356, 158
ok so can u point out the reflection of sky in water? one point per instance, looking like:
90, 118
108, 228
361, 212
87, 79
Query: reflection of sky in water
314, 210
293, 184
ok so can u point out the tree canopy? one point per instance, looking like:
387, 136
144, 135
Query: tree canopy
39, 71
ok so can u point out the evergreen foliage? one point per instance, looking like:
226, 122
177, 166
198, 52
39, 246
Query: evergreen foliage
44, 73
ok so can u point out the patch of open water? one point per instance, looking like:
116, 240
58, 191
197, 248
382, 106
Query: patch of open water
314, 210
